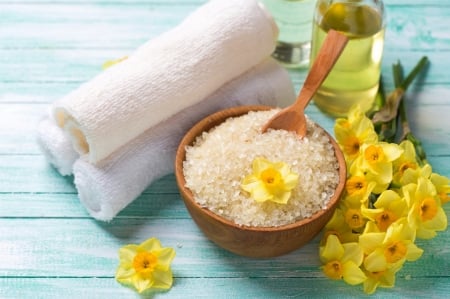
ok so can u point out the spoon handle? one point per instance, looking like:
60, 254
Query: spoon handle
330, 51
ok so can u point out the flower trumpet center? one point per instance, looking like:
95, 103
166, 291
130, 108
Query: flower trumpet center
405, 166
395, 252
385, 219
374, 154
270, 181
144, 263
354, 218
356, 185
333, 270
272, 178
428, 209
351, 146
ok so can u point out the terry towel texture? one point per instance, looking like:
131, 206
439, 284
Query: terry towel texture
107, 188
56, 146
213, 45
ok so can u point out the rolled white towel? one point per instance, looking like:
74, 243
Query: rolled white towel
107, 188
56, 146
214, 44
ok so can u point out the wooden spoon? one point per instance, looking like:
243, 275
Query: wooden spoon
292, 118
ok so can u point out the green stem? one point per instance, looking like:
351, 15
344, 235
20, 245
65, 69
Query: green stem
416, 70
403, 118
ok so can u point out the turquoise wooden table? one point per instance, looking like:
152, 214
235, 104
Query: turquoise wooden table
51, 248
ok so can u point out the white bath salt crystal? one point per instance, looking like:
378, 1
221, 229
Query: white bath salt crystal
218, 161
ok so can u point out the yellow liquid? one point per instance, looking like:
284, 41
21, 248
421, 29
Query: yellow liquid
355, 76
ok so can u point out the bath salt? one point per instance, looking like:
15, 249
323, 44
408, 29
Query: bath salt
219, 159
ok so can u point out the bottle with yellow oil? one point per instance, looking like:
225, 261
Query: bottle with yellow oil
355, 77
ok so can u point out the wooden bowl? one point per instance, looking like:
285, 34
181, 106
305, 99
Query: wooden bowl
255, 242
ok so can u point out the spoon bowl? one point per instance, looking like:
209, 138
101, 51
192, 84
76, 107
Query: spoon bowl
292, 118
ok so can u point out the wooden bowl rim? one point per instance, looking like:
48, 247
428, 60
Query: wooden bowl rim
219, 117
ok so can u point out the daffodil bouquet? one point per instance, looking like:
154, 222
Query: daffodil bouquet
391, 196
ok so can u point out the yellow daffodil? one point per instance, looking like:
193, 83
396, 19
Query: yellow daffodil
270, 181
145, 266
389, 249
425, 211
376, 161
406, 161
342, 261
388, 208
359, 186
442, 185
353, 216
411, 175
384, 279
354, 131
338, 226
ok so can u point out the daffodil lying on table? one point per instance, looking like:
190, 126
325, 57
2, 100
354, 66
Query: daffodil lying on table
146, 266
392, 196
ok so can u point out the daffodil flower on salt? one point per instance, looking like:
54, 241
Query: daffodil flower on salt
425, 211
342, 261
354, 131
389, 207
270, 181
146, 266
389, 249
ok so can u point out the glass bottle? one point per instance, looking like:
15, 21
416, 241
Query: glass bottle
294, 19
355, 77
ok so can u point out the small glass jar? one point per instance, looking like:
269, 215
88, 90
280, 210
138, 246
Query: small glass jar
355, 77
294, 19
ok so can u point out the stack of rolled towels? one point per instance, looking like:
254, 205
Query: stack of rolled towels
118, 132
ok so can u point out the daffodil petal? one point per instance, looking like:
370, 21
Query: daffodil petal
439, 222
392, 151
333, 249
352, 252
375, 262
162, 279
141, 284
414, 252
128, 252
165, 257
352, 274
370, 286
370, 241
290, 181
150, 244
124, 274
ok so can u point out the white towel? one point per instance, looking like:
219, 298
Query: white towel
56, 146
107, 188
216, 43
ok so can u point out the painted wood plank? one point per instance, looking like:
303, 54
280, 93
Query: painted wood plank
198, 287
46, 250
124, 25
199, 2
87, 26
